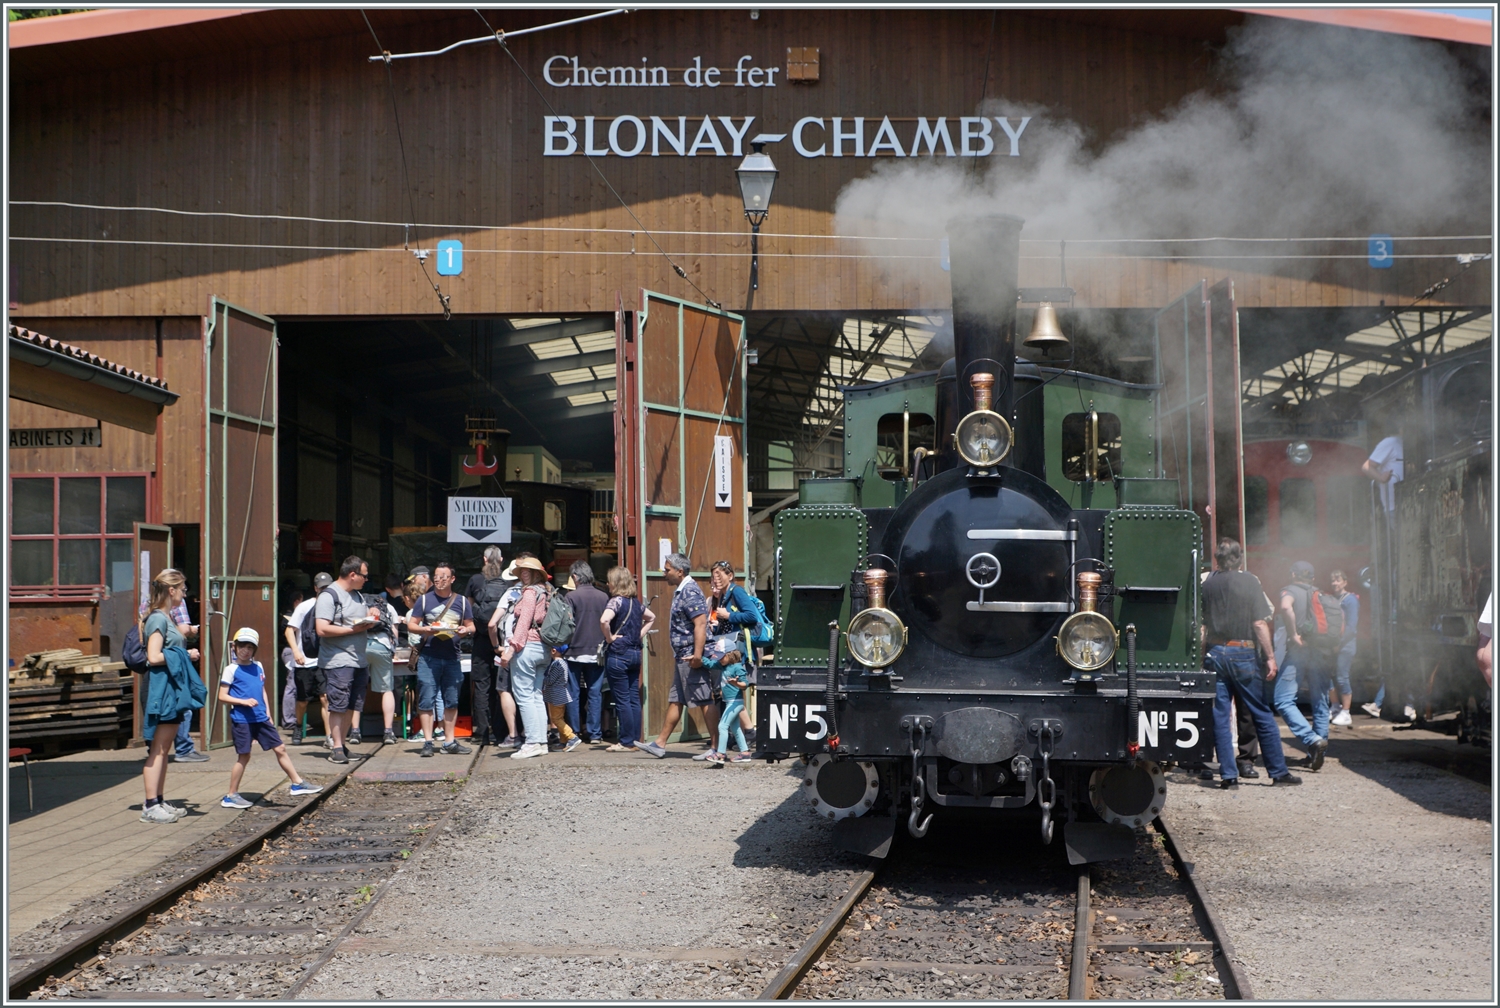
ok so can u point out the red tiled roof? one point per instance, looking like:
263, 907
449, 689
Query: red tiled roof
1422, 23
78, 353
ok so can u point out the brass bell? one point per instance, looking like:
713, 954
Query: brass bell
1045, 333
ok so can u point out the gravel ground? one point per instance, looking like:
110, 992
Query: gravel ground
601, 877
1373, 880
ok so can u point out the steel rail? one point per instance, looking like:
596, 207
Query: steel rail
1236, 984
784, 983
77, 953
1078, 967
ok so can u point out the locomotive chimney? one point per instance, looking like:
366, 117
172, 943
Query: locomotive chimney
985, 261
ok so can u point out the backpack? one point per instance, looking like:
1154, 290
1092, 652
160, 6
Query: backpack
762, 633
487, 599
308, 632
1321, 623
558, 626
133, 652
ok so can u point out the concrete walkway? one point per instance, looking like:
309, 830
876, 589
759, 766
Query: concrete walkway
86, 835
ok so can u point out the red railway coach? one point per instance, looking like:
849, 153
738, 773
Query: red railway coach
1306, 499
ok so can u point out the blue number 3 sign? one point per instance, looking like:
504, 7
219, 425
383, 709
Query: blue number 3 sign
1381, 252
450, 257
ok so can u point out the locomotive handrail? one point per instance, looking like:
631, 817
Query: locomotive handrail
1043, 535
1020, 607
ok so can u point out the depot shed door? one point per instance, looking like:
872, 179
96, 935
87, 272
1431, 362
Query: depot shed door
239, 507
681, 387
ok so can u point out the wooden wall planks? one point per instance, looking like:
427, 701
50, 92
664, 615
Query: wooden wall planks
304, 127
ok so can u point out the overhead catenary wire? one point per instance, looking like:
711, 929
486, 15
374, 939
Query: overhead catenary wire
500, 41
299, 218
501, 35
929, 257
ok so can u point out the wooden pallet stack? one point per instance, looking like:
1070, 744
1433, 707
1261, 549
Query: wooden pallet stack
66, 698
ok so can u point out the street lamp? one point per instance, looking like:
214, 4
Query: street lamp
757, 176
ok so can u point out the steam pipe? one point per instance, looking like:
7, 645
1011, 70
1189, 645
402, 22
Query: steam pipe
831, 688
1132, 700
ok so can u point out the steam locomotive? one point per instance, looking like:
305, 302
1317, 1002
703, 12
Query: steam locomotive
1011, 623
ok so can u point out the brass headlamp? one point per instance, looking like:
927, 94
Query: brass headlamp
983, 438
876, 635
1087, 639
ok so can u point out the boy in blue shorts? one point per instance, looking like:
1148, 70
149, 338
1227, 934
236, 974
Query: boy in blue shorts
243, 688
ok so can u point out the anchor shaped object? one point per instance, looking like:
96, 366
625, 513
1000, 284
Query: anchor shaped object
480, 467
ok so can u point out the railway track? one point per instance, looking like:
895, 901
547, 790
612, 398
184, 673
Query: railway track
261, 919
992, 916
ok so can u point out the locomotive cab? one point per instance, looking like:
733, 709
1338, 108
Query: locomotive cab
983, 642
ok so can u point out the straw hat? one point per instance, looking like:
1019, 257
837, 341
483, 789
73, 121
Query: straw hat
530, 563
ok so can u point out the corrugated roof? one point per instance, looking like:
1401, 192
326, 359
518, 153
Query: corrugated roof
47, 343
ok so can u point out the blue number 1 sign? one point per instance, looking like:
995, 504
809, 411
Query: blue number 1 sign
1381, 252
450, 256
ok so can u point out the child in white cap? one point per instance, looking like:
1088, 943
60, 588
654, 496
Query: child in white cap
243, 688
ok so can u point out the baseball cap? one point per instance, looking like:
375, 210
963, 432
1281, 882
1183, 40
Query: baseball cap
322, 580
1302, 569
244, 635
420, 570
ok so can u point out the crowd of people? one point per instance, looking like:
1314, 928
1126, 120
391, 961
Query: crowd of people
543, 659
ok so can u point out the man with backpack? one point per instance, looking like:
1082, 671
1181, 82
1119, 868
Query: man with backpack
490, 682
1314, 625
302, 634
343, 619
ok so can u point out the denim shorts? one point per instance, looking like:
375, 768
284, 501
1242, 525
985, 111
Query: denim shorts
434, 674
246, 732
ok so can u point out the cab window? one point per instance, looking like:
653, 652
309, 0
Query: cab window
1075, 440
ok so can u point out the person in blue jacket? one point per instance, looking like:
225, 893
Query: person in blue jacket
173, 690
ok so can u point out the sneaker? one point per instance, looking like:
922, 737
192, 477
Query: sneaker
428, 749
304, 788
339, 755
1342, 719
1229, 784
193, 757
158, 813
1410, 712
1248, 771
456, 748
1371, 710
177, 811
652, 748
1286, 781
743, 757
235, 801
704, 756
296, 734
327, 742
510, 742
1315, 755
573, 743
389, 739
354, 739
529, 750
439, 733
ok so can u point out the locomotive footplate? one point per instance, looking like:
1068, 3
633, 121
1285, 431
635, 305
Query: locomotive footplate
986, 728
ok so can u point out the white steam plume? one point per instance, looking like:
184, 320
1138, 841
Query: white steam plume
1317, 132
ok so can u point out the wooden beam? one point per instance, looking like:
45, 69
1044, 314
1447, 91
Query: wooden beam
47, 387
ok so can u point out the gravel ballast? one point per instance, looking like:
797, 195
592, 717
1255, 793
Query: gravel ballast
595, 876
1373, 880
